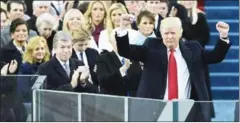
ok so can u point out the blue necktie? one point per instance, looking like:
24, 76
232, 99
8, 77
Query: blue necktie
81, 56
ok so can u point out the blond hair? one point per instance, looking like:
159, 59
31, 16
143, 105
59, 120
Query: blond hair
88, 13
110, 25
81, 35
69, 15
34, 42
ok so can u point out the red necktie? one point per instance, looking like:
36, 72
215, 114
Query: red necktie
172, 77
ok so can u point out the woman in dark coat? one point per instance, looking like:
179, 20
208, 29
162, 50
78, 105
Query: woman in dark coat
13, 50
36, 53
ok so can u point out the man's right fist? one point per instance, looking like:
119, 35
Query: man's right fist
126, 20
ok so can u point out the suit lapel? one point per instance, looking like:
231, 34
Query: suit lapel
187, 54
59, 68
89, 57
164, 59
74, 55
73, 66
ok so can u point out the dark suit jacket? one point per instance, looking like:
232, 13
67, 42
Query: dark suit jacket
110, 79
57, 78
108, 74
200, 32
92, 56
154, 56
10, 52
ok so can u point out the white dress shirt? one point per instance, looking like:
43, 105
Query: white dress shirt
183, 76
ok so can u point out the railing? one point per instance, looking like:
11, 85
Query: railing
66, 106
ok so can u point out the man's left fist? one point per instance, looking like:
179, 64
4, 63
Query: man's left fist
223, 29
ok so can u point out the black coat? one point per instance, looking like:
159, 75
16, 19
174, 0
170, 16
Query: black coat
110, 79
57, 78
10, 52
11, 104
32, 23
108, 74
92, 56
199, 32
154, 56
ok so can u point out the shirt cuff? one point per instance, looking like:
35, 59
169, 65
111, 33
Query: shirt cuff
225, 40
121, 32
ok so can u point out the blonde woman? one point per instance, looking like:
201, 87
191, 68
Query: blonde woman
119, 79
198, 27
106, 38
96, 17
36, 53
73, 21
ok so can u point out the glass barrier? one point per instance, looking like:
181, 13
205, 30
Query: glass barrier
16, 96
56, 106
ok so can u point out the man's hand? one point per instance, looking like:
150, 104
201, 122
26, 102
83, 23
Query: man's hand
223, 29
4, 69
13, 66
84, 73
126, 20
9, 67
173, 12
74, 81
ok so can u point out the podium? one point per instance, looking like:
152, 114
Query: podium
56, 106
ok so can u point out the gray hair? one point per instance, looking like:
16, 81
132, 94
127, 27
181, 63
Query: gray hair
47, 18
61, 36
37, 3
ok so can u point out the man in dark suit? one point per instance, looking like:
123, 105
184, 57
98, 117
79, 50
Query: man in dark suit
173, 69
82, 52
64, 73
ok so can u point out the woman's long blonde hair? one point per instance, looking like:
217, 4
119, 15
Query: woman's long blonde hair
88, 13
34, 42
67, 17
193, 11
110, 25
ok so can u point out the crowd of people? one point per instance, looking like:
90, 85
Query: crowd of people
112, 47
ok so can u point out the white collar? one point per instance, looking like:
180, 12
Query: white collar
177, 50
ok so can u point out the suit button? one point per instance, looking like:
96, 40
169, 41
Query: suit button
161, 96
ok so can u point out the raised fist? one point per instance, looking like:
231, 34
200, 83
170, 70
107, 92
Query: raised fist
126, 20
223, 29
